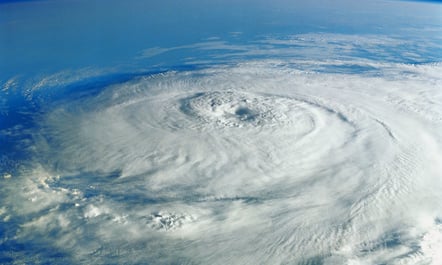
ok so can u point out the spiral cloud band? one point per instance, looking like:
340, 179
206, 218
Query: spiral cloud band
253, 163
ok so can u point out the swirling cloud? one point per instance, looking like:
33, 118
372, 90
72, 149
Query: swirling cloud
258, 162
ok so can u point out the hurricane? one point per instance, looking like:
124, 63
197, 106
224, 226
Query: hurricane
318, 148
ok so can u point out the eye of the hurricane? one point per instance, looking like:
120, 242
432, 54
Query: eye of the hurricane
245, 114
234, 109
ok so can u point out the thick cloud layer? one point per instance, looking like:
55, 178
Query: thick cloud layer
252, 163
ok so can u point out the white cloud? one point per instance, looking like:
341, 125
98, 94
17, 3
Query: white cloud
259, 162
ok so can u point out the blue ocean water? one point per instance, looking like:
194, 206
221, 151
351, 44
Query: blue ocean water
73, 74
